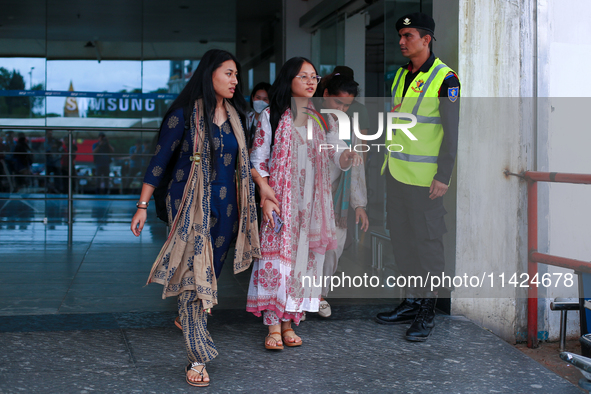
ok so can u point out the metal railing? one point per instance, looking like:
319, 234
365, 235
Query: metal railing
534, 257
71, 175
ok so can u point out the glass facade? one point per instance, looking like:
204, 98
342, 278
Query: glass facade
328, 44
71, 70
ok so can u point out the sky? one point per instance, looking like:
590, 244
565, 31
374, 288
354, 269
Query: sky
89, 75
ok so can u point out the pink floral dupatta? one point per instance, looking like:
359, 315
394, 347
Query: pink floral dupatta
311, 229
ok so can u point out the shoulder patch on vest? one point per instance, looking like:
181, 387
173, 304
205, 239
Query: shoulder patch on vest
452, 93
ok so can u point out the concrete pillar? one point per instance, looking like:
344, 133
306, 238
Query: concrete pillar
495, 65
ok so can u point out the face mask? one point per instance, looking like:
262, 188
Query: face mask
259, 106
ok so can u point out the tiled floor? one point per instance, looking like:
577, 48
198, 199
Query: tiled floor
105, 268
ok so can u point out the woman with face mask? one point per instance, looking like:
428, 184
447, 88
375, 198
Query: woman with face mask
259, 100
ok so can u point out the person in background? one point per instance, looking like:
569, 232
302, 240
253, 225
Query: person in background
363, 119
146, 144
23, 160
65, 161
259, 100
3, 147
10, 144
136, 160
9, 140
53, 160
349, 192
356, 106
5, 181
102, 160
297, 170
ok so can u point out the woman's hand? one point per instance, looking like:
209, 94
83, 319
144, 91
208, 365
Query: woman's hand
268, 209
266, 192
349, 158
361, 214
141, 215
138, 221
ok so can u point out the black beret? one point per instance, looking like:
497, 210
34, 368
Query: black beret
418, 20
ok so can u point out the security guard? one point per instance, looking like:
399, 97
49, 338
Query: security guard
419, 171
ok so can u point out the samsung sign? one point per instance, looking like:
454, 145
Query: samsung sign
98, 101
113, 104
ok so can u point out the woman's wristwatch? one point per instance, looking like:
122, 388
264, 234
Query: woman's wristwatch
142, 204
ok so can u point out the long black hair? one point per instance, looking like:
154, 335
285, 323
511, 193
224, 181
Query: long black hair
200, 86
280, 94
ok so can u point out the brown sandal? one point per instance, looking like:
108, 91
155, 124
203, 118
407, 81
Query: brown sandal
287, 343
177, 322
276, 347
191, 367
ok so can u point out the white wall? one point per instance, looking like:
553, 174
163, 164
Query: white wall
496, 133
563, 141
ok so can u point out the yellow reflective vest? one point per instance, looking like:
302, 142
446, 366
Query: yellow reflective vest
415, 162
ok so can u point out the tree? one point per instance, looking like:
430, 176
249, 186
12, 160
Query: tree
38, 102
13, 107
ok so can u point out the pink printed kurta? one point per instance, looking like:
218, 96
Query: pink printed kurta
299, 174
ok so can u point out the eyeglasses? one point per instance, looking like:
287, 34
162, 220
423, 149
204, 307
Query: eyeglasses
305, 79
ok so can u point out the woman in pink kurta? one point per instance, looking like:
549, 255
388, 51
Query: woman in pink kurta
282, 283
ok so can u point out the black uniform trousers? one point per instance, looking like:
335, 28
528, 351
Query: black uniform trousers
416, 227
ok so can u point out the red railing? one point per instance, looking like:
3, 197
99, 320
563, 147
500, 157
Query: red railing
534, 257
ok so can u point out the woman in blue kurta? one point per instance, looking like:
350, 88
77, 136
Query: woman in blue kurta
174, 147
210, 198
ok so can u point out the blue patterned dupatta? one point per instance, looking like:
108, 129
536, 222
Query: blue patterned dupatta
186, 259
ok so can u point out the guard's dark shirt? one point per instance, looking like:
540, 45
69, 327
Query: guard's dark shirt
450, 118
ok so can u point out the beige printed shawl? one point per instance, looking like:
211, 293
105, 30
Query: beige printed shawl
186, 259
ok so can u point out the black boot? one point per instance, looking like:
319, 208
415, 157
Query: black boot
404, 313
422, 326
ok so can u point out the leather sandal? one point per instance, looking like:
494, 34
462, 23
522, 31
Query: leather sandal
191, 367
276, 347
287, 343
